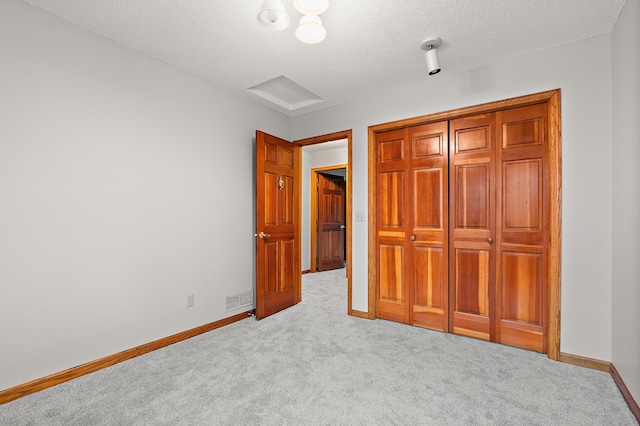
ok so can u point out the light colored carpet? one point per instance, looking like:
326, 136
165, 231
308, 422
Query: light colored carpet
314, 365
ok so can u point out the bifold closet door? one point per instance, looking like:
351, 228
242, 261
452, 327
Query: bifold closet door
499, 227
523, 227
472, 226
411, 231
429, 225
392, 229
462, 228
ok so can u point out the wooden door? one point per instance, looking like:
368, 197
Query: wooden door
412, 209
523, 227
331, 221
428, 168
392, 228
503, 248
277, 229
472, 226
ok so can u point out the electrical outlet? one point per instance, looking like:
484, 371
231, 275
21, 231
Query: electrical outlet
190, 301
360, 216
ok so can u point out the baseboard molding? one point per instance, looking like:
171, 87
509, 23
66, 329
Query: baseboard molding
594, 364
359, 314
306, 271
33, 386
633, 405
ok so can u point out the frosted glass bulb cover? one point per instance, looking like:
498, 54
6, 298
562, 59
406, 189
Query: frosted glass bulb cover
311, 7
310, 29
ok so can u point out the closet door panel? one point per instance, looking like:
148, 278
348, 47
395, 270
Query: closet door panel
473, 190
472, 280
522, 221
472, 226
393, 213
428, 225
391, 198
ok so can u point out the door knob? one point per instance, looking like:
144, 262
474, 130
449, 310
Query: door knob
342, 226
490, 240
262, 235
413, 238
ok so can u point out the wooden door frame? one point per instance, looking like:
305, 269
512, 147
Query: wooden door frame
554, 151
313, 207
331, 137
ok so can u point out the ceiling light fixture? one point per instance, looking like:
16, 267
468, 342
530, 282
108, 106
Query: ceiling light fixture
310, 29
430, 46
273, 16
311, 7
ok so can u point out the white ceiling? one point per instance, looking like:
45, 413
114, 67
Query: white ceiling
371, 45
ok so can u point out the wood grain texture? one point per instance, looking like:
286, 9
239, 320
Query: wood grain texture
488, 107
554, 149
472, 224
278, 214
331, 226
519, 134
428, 223
37, 385
360, 314
372, 217
632, 403
315, 204
593, 364
522, 223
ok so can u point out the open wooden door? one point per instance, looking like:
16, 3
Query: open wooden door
331, 222
277, 230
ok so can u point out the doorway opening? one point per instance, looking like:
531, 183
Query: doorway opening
329, 152
328, 206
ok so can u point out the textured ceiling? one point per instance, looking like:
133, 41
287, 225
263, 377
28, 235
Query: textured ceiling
371, 45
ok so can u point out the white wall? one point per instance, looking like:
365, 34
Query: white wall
312, 160
626, 196
125, 185
582, 70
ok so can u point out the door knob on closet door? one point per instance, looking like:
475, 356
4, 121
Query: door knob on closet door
413, 238
490, 240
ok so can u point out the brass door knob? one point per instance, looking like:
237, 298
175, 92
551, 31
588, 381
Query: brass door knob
263, 235
490, 240
413, 238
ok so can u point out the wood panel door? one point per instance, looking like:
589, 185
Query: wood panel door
523, 227
392, 228
278, 233
472, 226
501, 221
331, 222
412, 210
428, 168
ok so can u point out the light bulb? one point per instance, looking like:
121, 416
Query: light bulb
310, 29
311, 7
